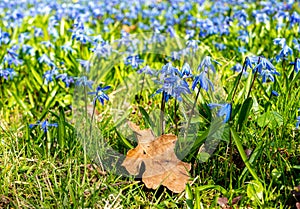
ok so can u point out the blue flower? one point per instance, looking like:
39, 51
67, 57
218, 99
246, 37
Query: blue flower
243, 36
168, 70
296, 65
203, 81
134, 61
65, 78
220, 46
186, 70
100, 95
207, 64
297, 44
146, 70
48, 75
237, 67
83, 81
274, 93
225, 110
12, 57
8, 72
193, 44
86, 64
280, 41
176, 55
48, 44
266, 70
4, 37
174, 86
295, 18
44, 125
45, 59
171, 31
23, 37
67, 48
38, 32
250, 61
28, 50
298, 122
284, 52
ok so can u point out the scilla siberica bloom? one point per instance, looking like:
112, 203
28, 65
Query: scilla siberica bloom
225, 110
285, 49
266, 70
296, 65
100, 95
174, 86
134, 61
44, 125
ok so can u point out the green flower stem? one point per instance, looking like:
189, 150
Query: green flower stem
254, 78
163, 104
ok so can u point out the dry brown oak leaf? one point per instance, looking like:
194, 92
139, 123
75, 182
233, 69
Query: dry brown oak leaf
162, 167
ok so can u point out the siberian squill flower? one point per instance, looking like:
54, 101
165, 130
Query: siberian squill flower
297, 122
65, 78
134, 61
146, 70
99, 94
83, 81
206, 64
296, 65
48, 75
203, 81
225, 110
174, 86
44, 125
285, 49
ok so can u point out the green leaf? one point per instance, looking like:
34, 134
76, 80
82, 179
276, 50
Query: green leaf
146, 117
189, 196
243, 155
61, 128
244, 113
271, 119
255, 190
215, 187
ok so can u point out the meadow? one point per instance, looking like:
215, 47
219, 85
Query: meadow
149, 104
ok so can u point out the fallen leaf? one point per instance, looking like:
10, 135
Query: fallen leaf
162, 167
128, 28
